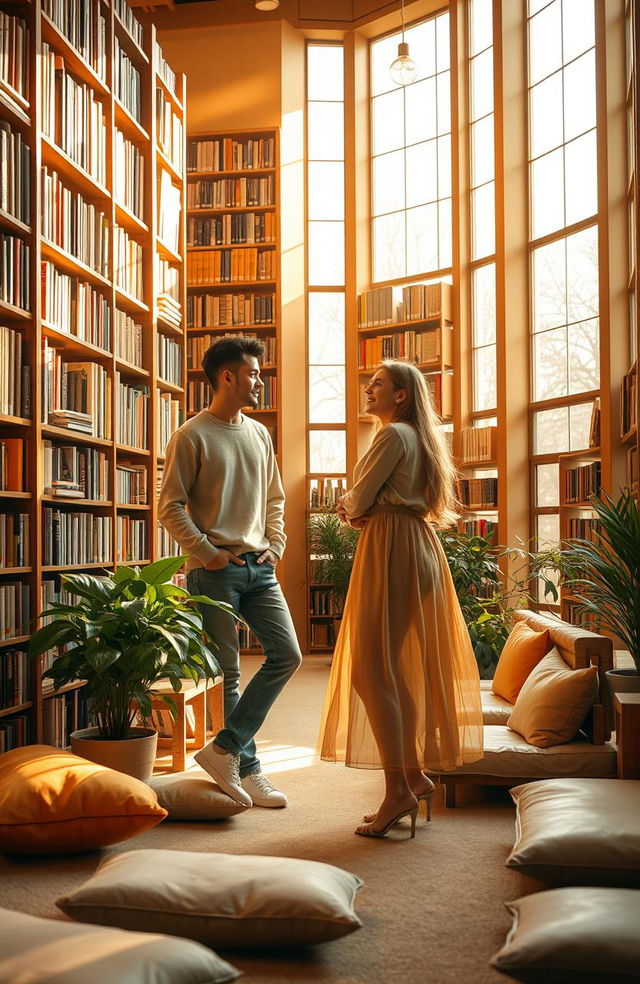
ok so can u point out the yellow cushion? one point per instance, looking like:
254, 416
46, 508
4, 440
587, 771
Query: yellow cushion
522, 651
553, 702
53, 802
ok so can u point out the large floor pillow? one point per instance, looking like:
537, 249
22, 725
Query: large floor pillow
186, 796
243, 902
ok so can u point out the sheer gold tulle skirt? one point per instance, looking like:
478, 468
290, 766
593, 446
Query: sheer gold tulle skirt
403, 631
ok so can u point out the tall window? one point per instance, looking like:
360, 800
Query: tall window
631, 167
411, 145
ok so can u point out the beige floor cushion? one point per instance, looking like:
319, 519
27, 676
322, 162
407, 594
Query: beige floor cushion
243, 901
590, 935
495, 709
507, 754
186, 796
50, 951
578, 831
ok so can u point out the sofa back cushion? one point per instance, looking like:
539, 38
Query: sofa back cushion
522, 651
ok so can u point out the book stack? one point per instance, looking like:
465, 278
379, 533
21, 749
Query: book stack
226, 310
421, 347
198, 345
478, 443
480, 527
15, 676
75, 225
83, 25
231, 265
14, 45
14, 732
389, 305
163, 68
127, 17
169, 419
584, 529
322, 602
75, 472
128, 339
230, 192
169, 208
14, 271
128, 175
15, 379
132, 414
169, 131
15, 158
322, 635
76, 395
441, 389
14, 609
168, 297
75, 538
582, 482
127, 261
325, 492
131, 485
231, 229
420, 302
132, 539
126, 83
12, 470
594, 424
75, 307
14, 539
169, 360
478, 493
246, 638
628, 404
231, 154
166, 545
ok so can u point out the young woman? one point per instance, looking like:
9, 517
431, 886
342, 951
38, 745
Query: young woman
404, 690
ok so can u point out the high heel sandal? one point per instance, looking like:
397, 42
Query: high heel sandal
426, 797
368, 832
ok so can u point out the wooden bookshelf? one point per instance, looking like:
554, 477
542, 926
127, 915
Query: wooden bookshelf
580, 474
477, 460
28, 117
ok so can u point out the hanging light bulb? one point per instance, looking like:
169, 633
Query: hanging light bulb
403, 69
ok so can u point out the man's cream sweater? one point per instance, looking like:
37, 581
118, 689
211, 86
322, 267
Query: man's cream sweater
222, 488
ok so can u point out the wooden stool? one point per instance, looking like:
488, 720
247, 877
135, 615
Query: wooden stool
205, 695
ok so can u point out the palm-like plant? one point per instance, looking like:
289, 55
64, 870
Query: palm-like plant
333, 545
124, 633
608, 587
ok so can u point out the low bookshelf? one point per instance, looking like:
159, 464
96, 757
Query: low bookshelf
580, 476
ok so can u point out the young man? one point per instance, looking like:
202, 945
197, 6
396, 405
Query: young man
222, 500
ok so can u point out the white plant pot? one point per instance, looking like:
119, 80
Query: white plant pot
623, 682
134, 756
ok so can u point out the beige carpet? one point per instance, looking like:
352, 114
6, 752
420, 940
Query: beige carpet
432, 908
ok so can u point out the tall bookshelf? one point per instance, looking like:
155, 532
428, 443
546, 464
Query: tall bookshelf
88, 116
233, 263
477, 485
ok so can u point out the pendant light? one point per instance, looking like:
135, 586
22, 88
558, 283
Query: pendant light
403, 69
267, 4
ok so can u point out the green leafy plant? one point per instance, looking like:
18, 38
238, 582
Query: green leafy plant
333, 545
607, 585
123, 634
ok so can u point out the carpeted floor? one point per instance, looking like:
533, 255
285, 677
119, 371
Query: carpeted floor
432, 907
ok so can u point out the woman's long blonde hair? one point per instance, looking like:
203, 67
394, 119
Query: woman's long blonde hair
418, 410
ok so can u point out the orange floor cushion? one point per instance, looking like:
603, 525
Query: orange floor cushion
53, 802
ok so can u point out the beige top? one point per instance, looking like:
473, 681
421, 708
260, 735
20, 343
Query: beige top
391, 472
222, 488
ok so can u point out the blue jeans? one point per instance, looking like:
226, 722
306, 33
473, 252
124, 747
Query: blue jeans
252, 591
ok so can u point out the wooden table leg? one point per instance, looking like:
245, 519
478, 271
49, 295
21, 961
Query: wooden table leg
179, 744
200, 714
215, 706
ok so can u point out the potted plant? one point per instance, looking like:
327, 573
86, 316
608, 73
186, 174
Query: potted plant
332, 546
123, 634
608, 585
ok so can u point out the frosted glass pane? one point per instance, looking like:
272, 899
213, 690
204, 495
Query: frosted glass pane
580, 96
443, 87
442, 42
444, 233
547, 485
484, 305
327, 452
482, 84
388, 182
444, 167
549, 286
482, 158
481, 25
551, 431
422, 239
578, 27
326, 328
550, 364
389, 246
484, 388
546, 115
483, 219
326, 190
422, 45
420, 102
548, 531
388, 122
545, 43
383, 52
422, 174
547, 194
326, 253
325, 71
579, 426
584, 356
582, 275
326, 395
581, 178
325, 136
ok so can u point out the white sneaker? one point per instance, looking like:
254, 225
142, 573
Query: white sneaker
225, 770
262, 791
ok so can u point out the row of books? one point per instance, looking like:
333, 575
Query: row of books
130, 21
15, 615
170, 417
127, 85
199, 395
76, 395
246, 638
322, 602
14, 47
84, 26
420, 347
12, 451
583, 529
485, 528
75, 538
440, 385
478, 443
131, 539
75, 225
75, 307
478, 493
15, 379
127, 261
231, 265
322, 635
15, 677
325, 492
632, 469
128, 338
169, 131
168, 292
389, 305
198, 345
74, 471
169, 208
15, 158
63, 714
629, 403
231, 192
14, 271
582, 482
164, 70
128, 175
73, 117
231, 154
169, 360
14, 539
131, 485
14, 732
231, 229
165, 543
226, 310
133, 413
